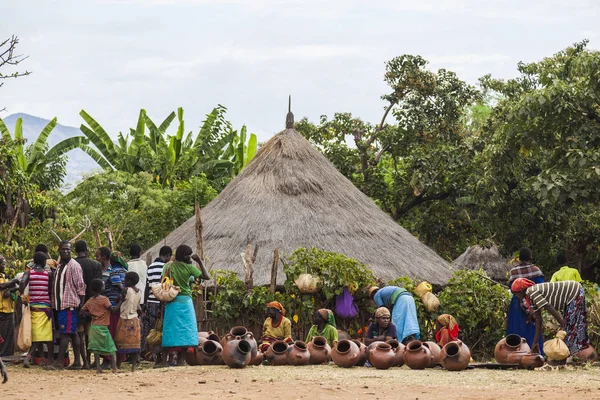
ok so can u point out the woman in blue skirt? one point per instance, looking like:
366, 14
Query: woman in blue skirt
180, 330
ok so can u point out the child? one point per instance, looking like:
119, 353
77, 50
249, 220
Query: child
128, 336
100, 341
446, 329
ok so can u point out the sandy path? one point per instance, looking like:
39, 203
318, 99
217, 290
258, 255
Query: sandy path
311, 382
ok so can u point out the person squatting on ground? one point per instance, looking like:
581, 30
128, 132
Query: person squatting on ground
382, 329
324, 325
276, 326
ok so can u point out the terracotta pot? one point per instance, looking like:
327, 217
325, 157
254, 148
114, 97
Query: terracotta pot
417, 356
258, 360
382, 356
587, 354
209, 353
399, 349
320, 351
455, 356
345, 353
436, 353
510, 344
532, 360
276, 354
237, 353
362, 355
240, 332
297, 354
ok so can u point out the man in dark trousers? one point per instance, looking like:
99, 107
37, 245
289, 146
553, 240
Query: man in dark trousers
91, 269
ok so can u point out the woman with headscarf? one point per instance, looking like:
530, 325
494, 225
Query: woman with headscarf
402, 306
446, 329
518, 321
382, 329
567, 297
276, 326
324, 325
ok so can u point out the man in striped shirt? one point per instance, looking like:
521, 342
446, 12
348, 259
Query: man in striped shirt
152, 306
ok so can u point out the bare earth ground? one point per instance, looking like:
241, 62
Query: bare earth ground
310, 382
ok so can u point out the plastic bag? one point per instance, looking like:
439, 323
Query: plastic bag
423, 288
555, 349
344, 305
430, 301
24, 337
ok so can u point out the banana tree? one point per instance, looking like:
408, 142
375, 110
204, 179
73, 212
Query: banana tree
241, 151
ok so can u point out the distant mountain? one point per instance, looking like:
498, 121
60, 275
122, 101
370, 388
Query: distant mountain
78, 162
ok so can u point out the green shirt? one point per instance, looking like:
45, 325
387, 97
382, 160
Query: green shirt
181, 273
329, 332
566, 274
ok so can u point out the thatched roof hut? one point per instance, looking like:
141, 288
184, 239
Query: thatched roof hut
475, 257
291, 196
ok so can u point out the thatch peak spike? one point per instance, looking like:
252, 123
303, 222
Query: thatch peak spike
289, 118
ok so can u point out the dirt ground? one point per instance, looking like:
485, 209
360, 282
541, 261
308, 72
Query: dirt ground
310, 382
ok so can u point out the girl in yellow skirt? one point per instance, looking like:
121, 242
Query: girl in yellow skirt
39, 280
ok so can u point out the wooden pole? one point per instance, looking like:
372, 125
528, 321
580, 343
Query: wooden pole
199, 232
109, 239
274, 271
248, 258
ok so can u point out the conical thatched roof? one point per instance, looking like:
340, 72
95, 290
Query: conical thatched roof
291, 196
489, 259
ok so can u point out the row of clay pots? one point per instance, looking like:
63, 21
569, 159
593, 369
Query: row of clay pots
280, 353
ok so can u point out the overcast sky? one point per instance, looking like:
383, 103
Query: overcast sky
113, 57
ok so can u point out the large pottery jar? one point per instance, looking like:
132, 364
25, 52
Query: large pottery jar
345, 353
587, 354
276, 354
297, 354
209, 353
455, 356
511, 344
237, 353
417, 356
320, 351
436, 352
362, 357
382, 356
398, 351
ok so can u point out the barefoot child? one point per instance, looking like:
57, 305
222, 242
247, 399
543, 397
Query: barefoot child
100, 341
128, 337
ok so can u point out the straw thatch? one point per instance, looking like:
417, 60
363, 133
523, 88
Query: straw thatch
291, 196
489, 259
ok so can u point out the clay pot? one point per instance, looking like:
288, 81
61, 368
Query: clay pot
345, 353
382, 356
237, 353
436, 352
511, 344
398, 351
240, 332
276, 354
362, 354
258, 360
455, 356
417, 356
297, 354
532, 360
320, 351
587, 354
209, 353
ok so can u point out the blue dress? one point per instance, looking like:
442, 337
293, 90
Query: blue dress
403, 309
517, 320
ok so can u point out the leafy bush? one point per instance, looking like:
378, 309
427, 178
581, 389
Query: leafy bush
480, 308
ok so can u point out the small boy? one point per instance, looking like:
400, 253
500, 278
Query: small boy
128, 337
100, 341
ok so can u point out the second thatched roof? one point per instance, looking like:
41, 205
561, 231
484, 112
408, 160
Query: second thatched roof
475, 257
291, 196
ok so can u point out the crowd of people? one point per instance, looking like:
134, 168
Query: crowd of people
106, 307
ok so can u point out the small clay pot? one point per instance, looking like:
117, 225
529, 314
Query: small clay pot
237, 353
510, 344
587, 354
276, 354
436, 352
455, 356
532, 360
417, 356
258, 360
320, 351
297, 354
382, 356
399, 349
362, 355
345, 353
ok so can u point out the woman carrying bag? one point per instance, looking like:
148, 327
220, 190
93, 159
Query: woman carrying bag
180, 329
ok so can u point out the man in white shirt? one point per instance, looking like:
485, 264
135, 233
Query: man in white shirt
138, 266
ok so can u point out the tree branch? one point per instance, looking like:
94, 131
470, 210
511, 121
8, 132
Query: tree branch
400, 211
